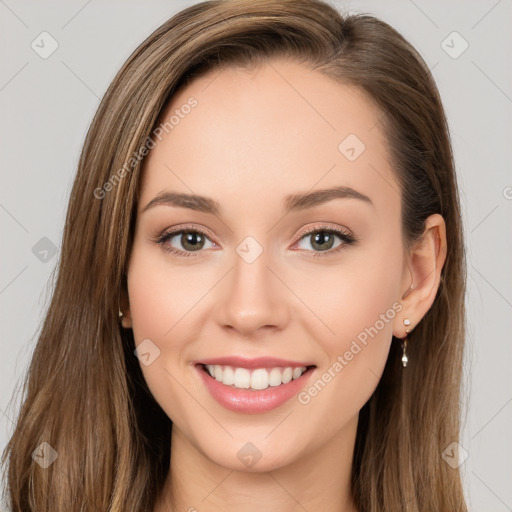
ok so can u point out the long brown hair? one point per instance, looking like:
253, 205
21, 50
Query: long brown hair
84, 393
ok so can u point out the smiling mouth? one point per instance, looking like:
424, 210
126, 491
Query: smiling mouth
256, 379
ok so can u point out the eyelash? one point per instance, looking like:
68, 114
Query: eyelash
345, 236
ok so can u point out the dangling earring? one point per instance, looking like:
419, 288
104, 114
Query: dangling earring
120, 313
405, 359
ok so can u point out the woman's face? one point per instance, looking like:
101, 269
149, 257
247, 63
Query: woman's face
273, 267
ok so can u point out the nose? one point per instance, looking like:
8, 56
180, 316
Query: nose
252, 299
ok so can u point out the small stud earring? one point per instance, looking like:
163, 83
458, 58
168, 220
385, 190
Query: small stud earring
120, 313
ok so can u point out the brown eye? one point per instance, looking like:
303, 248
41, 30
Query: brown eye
322, 240
192, 240
184, 242
325, 240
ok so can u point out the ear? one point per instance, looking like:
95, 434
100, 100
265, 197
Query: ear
124, 306
422, 274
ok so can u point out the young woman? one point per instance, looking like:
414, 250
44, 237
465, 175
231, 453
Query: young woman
259, 303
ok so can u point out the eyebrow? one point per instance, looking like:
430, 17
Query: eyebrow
291, 203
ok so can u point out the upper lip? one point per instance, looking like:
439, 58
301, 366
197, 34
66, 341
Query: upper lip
258, 362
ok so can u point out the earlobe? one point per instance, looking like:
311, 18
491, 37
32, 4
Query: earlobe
124, 309
125, 318
425, 263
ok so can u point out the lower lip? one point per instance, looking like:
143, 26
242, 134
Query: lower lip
253, 401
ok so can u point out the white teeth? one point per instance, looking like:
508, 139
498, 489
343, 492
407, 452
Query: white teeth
287, 375
242, 378
274, 378
297, 372
258, 379
228, 376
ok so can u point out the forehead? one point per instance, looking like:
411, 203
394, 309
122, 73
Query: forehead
263, 133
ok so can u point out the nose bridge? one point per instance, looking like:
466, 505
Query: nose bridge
251, 297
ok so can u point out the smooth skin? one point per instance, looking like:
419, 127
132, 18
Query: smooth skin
255, 137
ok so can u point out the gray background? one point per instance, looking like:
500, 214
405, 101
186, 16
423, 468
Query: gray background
46, 107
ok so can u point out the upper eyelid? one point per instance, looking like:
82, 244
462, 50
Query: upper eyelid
323, 227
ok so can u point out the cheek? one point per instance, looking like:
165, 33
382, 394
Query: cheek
157, 300
158, 294
354, 296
